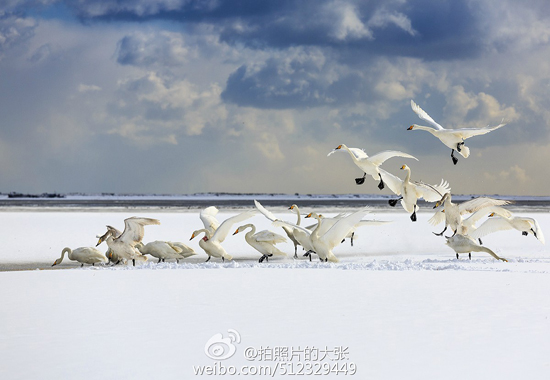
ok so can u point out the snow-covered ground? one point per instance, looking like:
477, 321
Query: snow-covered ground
397, 305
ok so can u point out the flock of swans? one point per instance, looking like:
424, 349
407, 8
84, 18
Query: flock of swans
327, 233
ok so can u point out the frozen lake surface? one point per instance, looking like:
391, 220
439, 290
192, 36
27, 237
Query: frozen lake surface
397, 305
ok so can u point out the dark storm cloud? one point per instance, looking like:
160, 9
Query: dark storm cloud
443, 30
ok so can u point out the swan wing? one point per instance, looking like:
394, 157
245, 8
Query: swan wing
269, 237
424, 115
379, 158
439, 217
490, 226
470, 132
538, 231
479, 203
134, 229
224, 228
432, 193
208, 217
483, 212
340, 229
393, 182
264, 211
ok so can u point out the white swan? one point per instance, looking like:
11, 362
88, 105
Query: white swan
469, 224
208, 217
84, 255
287, 228
263, 241
211, 243
507, 222
124, 245
465, 244
412, 191
325, 243
162, 250
186, 251
370, 165
452, 138
453, 212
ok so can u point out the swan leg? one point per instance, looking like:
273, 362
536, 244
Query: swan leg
381, 184
458, 148
223, 259
295, 251
81, 265
413, 216
352, 235
264, 257
393, 202
163, 260
158, 261
455, 160
134, 262
525, 233
534, 233
441, 233
470, 255
457, 256
208, 259
177, 261
454, 233
360, 180
480, 242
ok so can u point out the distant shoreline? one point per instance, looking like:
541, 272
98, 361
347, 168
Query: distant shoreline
79, 202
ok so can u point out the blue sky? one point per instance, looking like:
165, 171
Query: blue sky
182, 96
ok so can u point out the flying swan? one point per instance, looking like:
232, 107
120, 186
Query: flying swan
370, 165
410, 192
453, 212
453, 138
503, 222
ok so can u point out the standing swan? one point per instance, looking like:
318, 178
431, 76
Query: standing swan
369, 165
163, 250
289, 230
124, 246
211, 243
263, 241
465, 244
325, 243
84, 255
453, 138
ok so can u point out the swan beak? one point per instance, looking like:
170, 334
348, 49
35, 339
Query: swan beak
236, 232
338, 147
291, 207
54, 264
403, 167
410, 128
192, 236
492, 214
99, 242
308, 215
437, 204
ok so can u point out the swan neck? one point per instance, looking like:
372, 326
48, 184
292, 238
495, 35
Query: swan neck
299, 216
68, 251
